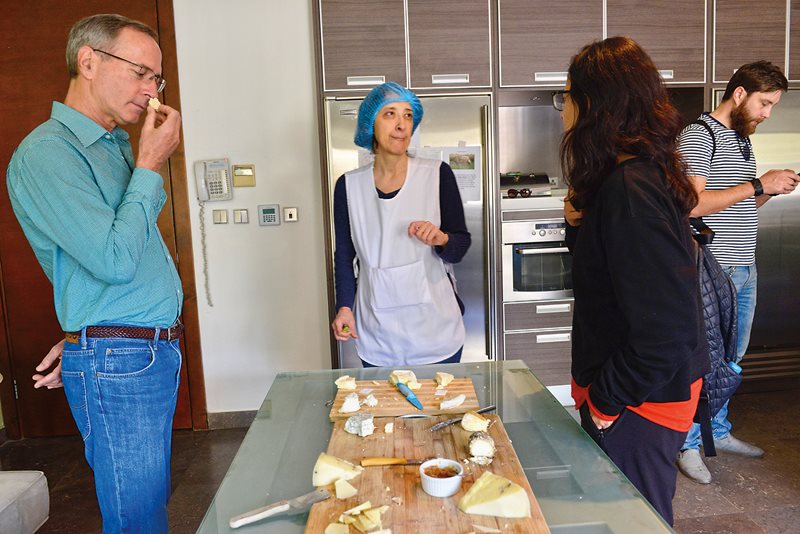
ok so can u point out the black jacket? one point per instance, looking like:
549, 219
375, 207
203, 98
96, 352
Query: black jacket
638, 329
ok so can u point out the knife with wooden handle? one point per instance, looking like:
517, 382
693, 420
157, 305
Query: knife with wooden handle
443, 424
382, 460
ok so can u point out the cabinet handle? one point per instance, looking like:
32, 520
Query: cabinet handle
667, 74
553, 308
550, 76
365, 80
531, 251
553, 338
449, 78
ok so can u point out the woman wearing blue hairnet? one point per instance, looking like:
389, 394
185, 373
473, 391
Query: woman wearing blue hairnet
401, 217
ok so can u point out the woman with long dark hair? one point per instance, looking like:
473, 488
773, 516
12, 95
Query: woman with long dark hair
639, 349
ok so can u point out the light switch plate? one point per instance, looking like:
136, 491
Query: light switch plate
289, 214
240, 216
220, 216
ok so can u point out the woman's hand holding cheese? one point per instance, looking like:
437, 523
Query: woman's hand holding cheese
428, 233
344, 324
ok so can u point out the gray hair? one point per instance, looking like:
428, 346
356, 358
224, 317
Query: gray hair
99, 31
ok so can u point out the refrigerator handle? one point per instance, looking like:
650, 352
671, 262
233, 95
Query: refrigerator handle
489, 237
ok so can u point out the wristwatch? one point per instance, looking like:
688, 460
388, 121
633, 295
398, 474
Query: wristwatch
757, 187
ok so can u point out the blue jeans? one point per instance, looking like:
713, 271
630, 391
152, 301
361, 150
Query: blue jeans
455, 358
122, 394
744, 277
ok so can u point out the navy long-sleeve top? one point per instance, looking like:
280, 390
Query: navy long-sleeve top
453, 224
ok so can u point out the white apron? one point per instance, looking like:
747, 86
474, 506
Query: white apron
406, 310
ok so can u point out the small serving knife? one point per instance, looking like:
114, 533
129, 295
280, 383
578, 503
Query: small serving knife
298, 505
380, 460
409, 395
443, 424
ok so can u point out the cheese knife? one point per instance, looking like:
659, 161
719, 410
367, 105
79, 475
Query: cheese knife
409, 395
298, 505
439, 426
381, 460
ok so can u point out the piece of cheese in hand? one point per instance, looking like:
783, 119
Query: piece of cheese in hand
154, 103
344, 490
496, 496
455, 402
402, 376
346, 382
442, 379
329, 469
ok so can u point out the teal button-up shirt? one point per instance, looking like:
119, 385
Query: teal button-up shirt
90, 217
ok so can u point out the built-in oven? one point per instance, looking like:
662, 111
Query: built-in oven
536, 262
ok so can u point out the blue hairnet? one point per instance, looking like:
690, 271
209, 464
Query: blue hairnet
377, 98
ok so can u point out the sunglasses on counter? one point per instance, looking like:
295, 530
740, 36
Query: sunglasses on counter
514, 193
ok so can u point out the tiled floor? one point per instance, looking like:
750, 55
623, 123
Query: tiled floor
746, 496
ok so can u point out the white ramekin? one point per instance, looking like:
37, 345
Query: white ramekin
441, 487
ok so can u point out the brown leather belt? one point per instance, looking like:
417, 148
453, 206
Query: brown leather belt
128, 332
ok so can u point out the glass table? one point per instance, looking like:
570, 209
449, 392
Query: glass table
578, 488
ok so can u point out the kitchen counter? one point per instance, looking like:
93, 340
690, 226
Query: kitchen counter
576, 485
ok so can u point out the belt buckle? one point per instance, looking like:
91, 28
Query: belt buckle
174, 331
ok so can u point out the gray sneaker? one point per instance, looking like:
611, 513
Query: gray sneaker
691, 464
736, 446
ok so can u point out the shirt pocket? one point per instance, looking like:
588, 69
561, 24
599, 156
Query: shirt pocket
395, 287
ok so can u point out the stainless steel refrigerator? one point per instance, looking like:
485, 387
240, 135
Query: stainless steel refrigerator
452, 125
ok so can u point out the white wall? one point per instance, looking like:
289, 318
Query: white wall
248, 93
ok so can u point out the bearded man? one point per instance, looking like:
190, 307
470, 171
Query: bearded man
721, 163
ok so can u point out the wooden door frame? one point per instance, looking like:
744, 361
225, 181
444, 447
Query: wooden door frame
184, 261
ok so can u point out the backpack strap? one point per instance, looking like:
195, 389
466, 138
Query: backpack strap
705, 125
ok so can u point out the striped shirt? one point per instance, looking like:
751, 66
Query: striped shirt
735, 227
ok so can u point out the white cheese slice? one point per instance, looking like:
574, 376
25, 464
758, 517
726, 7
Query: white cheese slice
496, 496
455, 402
370, 400
337, 528
344, 490
361, 424
358, 509
442, 379
350, 404
329, 469
388, 428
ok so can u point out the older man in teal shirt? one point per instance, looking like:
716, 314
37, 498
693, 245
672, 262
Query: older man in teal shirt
89, 211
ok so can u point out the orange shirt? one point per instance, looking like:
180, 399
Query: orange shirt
676, 415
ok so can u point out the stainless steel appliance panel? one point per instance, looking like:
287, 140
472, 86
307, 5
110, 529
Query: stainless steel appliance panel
448, 121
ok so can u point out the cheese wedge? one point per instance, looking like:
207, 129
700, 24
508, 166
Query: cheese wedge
329, 469
496, 496
337, 528
401, 376
442, 379
346, 382
455, 402
474, 422
344, 490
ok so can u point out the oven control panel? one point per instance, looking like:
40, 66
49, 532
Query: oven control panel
536, 231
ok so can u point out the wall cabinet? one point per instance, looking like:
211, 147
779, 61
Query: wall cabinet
671, 31
449, 43
364, 43
747, 31
538, 38
794, 42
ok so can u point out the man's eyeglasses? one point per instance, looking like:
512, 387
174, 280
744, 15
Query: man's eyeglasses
745, 147
558, 99
141, 70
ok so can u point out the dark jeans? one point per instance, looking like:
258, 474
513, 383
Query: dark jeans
455, 358
645, 452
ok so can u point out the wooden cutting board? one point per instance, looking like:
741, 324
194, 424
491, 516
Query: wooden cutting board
416, 511
392, 403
